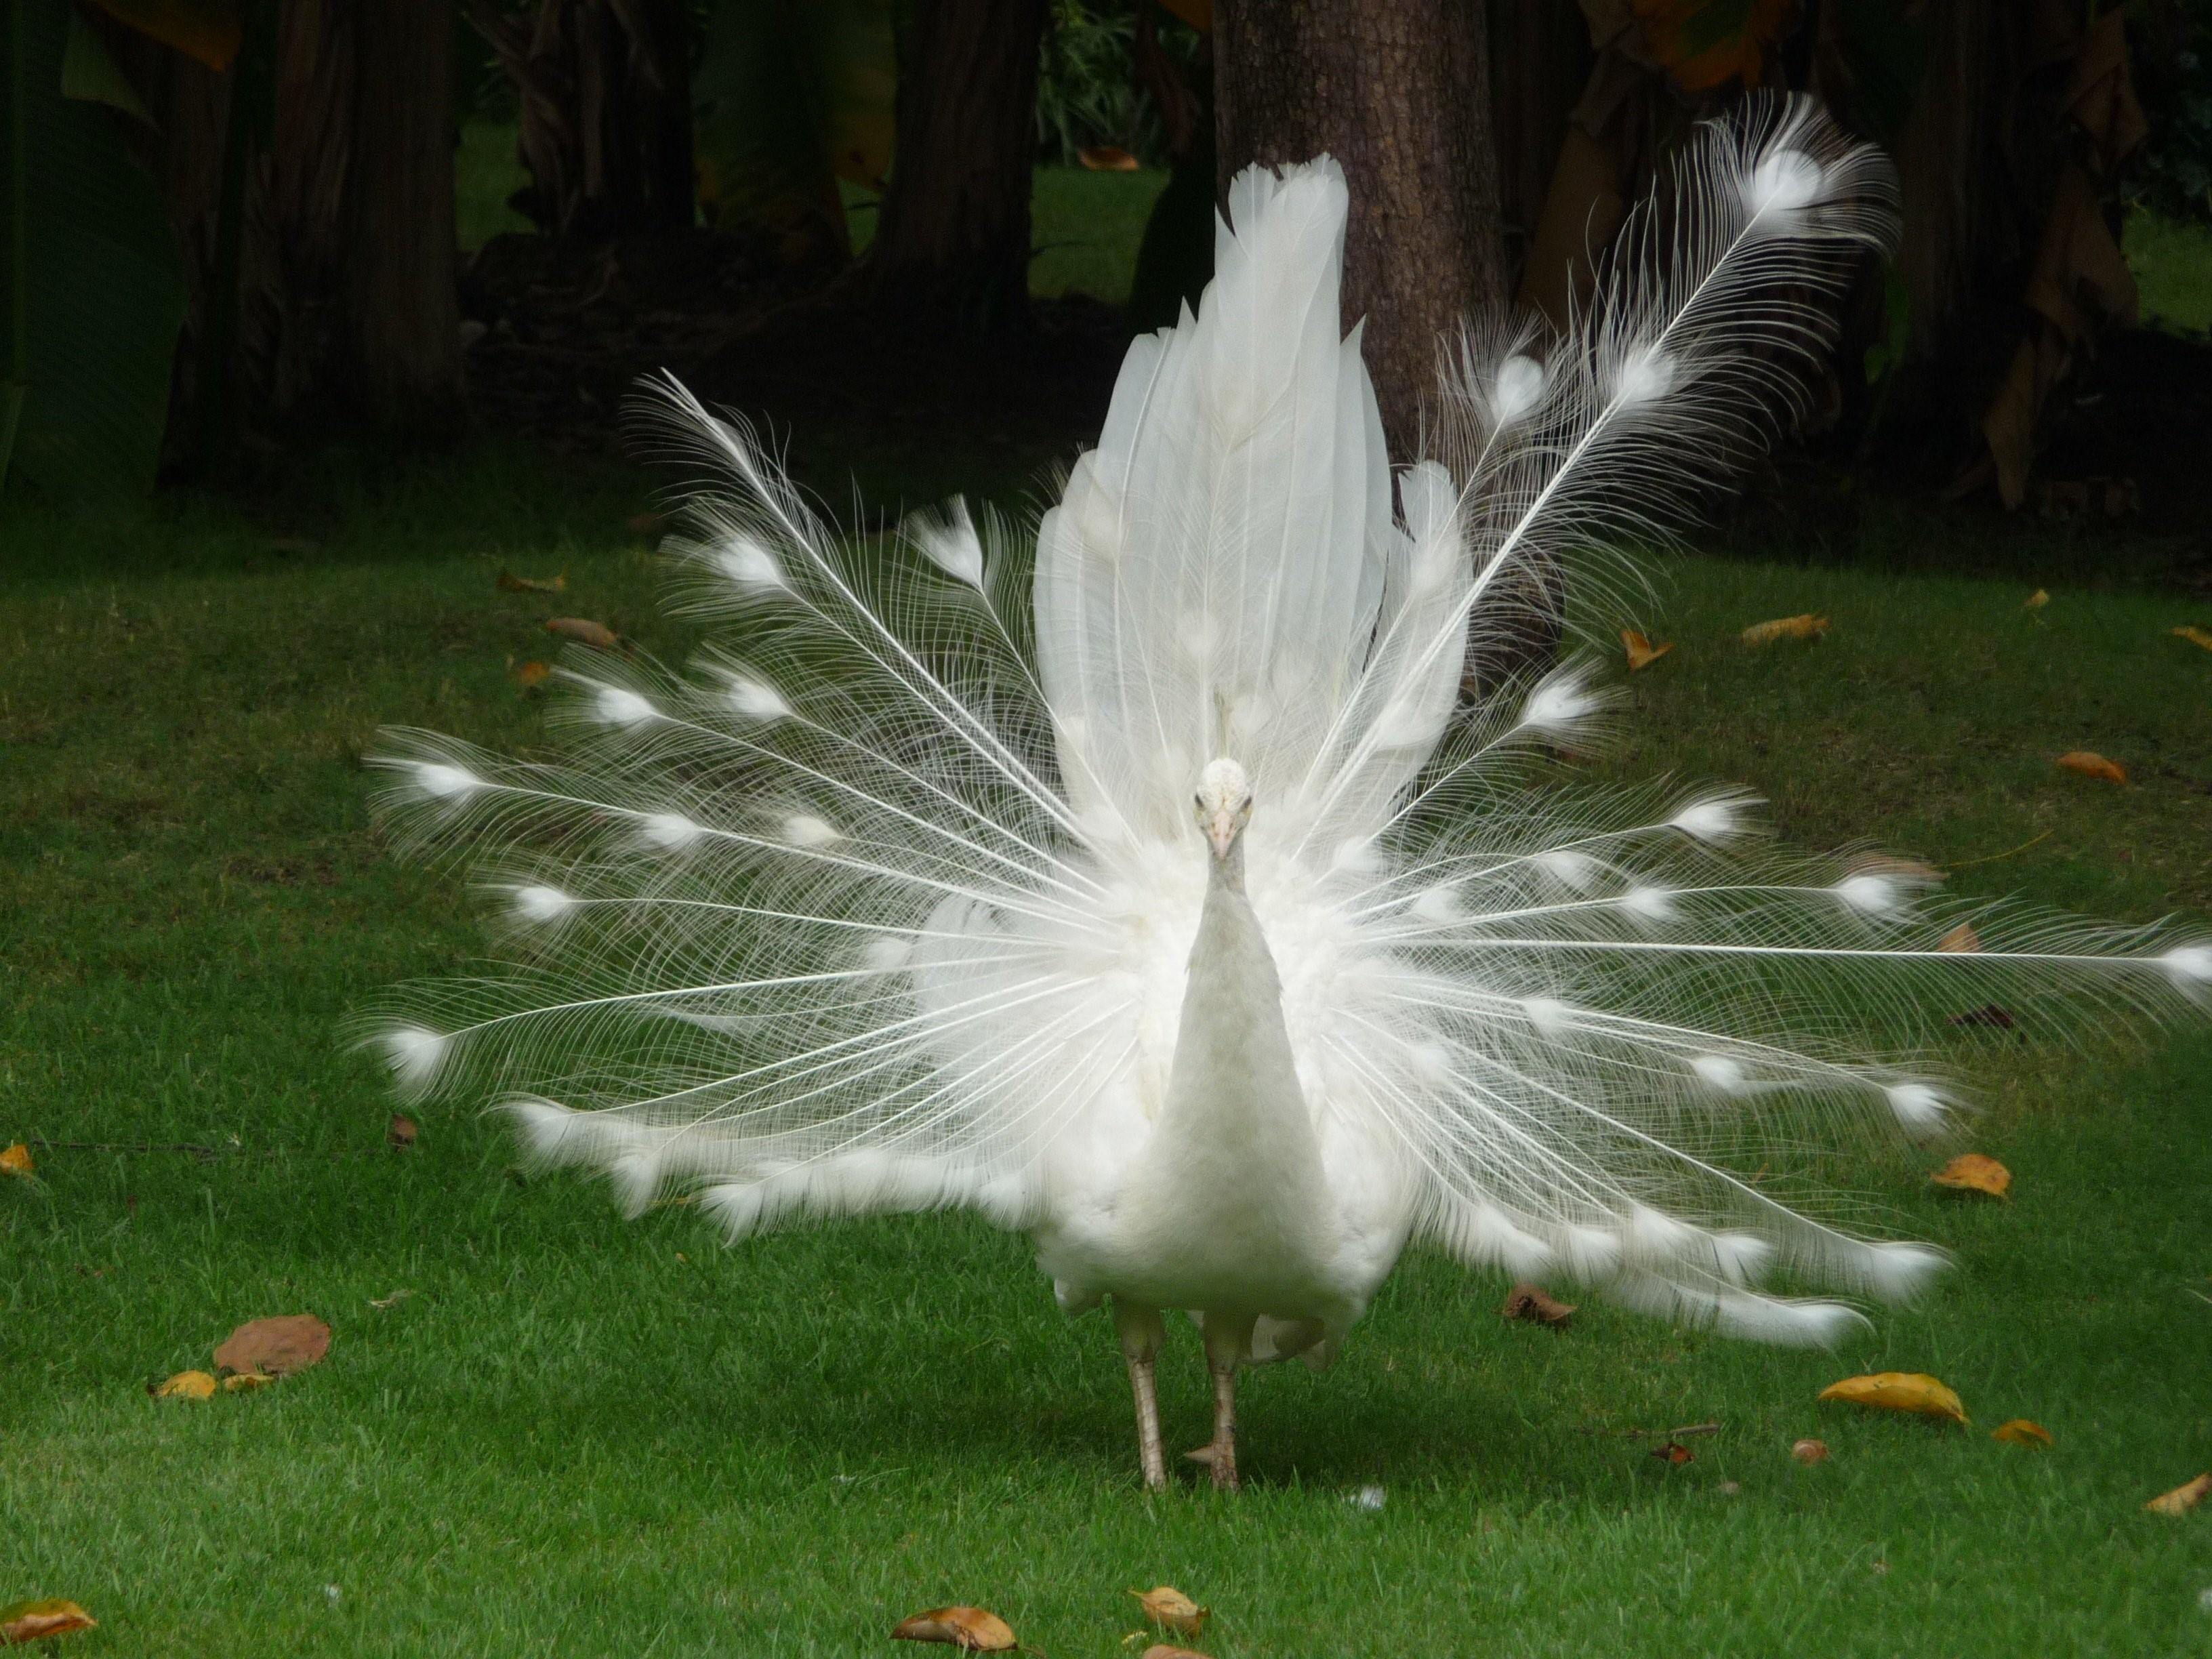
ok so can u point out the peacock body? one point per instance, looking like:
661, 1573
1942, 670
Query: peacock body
1156, 893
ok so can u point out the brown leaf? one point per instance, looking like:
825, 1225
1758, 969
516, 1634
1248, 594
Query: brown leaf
1531, 1303
531, 675
400, 1132
246, 1382
1106, 158
2194, 635
1961, 937
2021, 1432
2182, 1499
1170, 1609
1988, 1014
970, 1629
1161, 1650
278, 1346
1971, 1172
36, 1621
16, 1160
1810, 1451
598, 635
1807, 627
2092, 765
2036, 601
1899, 1391
1641, 653
510, 583
1673, 1452
185, 1385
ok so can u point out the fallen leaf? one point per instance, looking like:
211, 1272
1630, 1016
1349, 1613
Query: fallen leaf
383, 1302
279, 1346
185, 1385
1988, 1014
1971, 1172
2092, 765
2021, 1432
400, 1132
533, 674
1807, 627
16, 1160
2194, 635
1809, 1452
1170, 1609
598, 635
2036, 601
1161, 1650
510, 583
1106, 158
1531, 1303
969, 1628
1961, 937
1673, 1452
245, 1382
1641, 653
36, 1621
1899, 1391
2183, 1498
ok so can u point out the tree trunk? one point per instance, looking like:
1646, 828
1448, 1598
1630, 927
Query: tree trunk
1399, 92
953, 241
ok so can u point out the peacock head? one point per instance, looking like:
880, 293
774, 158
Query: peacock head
1223, 803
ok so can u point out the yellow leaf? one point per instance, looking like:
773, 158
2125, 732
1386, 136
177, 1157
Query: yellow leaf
244, 1381
2182, 1499
1809, 1452
1170, 1609
2092, 765
1807, 627
508, 582
278, 1346
36, 1621
1961, 937
598, 635
1641, 653
531, 675
1106, 158
16, 1160
2194, 635
2021, 1432
970, 1629
1899, 1391
185, 1385
2036, 601
1971, 1172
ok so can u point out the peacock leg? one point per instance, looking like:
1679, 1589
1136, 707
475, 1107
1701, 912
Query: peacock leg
1227, 1340
1141, 1334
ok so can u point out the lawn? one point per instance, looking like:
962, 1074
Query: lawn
584, 1436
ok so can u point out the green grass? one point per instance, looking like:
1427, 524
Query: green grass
587, 1436
2172, 264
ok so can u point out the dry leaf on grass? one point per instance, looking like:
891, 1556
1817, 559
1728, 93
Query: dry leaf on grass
2090, 764
2194, 635
1641, 653
1971, 1172
2182, 1499
1809, 1452
1170, 1609
2036, 601
1673, 1452
1807, 627
1532, 1304
1899, 1391
400, 1133
37, 1621
185, 1385
1106, 158
279, 1346
1961, 937
533, 674
2021, 1432
971, 1629
1161, 1650
598, 635
510, 583
16, 1160
245, 1382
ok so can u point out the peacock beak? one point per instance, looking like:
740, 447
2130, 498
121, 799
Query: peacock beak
1221, 828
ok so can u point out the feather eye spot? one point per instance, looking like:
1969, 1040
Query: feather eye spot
951, 543
1721, 1075
617, 705
1577, 871
1649, 904
416, 1054
1785, 182
671, 832
442, 780
1921, 1110
540, 904
804, 830
1549, 1016
887, 953
2188, 965
1560, 704
1439, 904
755, 700
1714, 820
1517, 390
1644, 375
1868, 895
749, 563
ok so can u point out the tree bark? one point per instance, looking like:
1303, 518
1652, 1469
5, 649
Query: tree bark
1399, 92
953, 240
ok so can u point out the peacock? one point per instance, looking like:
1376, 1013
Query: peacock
1146, 879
